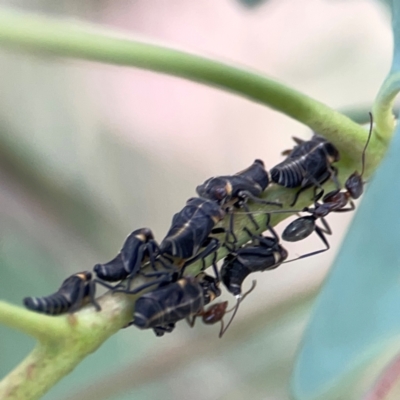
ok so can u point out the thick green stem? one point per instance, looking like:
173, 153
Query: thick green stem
69, 39
40, 326
81, 334
383, 106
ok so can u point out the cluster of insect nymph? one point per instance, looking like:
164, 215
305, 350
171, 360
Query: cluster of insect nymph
169, 294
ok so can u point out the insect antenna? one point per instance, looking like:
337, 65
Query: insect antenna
240, 298
366, 144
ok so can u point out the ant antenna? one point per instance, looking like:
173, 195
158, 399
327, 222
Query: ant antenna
240, 298
366, 144
260, 212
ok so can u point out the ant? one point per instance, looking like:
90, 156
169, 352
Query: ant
335, 201
216, 312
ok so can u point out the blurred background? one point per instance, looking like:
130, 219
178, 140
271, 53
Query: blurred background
90, 152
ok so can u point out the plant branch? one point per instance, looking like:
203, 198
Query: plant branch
383, 107
69, 39
42, 327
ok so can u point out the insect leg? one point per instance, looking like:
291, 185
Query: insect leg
230, 231
246, 208
351, 207
239, 300
92, 293
106, 285
211, 246
142, 287
77, 303
246, 194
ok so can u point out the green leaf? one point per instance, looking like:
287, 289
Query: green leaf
382, 112
357, 313
356, 318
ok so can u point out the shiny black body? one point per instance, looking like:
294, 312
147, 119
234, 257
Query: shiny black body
224, 189
303, 227
190, 230
161, 308
308, 164
234, 191
139, 246
262, 254
74, 292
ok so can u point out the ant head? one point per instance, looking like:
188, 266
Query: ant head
355, 185
215, 313
210, 287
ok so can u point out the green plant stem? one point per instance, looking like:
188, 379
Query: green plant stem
383, 106
68, 39
42, 327
82, 333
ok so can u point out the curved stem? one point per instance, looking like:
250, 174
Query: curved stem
66, 39
59, 352
42, 327
383, 107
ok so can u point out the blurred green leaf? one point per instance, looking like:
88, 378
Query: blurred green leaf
356, 317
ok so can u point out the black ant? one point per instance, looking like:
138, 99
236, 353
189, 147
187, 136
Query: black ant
216, 312
334, 201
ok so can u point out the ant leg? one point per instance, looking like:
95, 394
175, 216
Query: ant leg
106, 285
134, 270
249, 233
320, 232
334, 173
142, 287
92, 293
248, 195
272, 230
239, 300
230, 231
296, 196
326, 228
350, 208
215, 269
152, 258
191, 320
211, 247
250, 216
